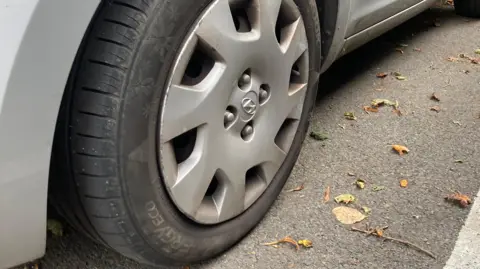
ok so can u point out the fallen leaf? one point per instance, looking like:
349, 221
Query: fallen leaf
417, 49
458, 161
475, 61
434, 97
349, 116
380, 102
382, 75
351, 174
401, 77
32, 265
345, 198
400, 149
55, 227
348, 215
378, 188
367, 210
397, 111
399, 50
326, 195
449, 2
318, 136
370, 109
452, 59
462, 199
477, 51
435, 108
379, 232
286, 239
305, 243
360, 183
298, 188
403, 183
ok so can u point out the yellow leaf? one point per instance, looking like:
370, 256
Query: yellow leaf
305, 243
380, 102
55, 227
477, 51
360, 183
348, 215
400, 149
345, 198
367, 210
403, 183
286, 239
349, 116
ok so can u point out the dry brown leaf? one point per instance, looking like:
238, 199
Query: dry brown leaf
475, 61
435, 108
382, 75
298, 188
434, 97
400, 149
305, 243
370, 109
348, 215
452, 59
403, 183
397, 111
326, 195
462, 199
286, 239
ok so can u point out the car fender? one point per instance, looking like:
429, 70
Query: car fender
40, 39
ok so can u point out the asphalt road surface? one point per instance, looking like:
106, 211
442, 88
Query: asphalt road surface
417, 213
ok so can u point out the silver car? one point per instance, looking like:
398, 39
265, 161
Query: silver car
163, 129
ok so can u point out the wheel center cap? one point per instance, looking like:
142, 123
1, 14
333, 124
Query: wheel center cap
249, 105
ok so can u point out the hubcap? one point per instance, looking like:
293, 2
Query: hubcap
232, 108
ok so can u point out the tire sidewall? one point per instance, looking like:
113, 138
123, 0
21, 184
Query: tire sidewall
171, 234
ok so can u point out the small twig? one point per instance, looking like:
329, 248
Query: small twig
396, 240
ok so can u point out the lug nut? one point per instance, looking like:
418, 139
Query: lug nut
248, 130
244, 80
228, 116
263, 94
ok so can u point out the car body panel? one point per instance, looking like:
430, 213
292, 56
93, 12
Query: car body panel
344, 43
361, 12
37, 50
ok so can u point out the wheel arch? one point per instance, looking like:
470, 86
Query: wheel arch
328, 13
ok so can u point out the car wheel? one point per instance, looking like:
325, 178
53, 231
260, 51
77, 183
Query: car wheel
468, 8
182, 121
